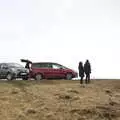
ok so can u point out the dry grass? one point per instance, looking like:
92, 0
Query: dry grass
59, 100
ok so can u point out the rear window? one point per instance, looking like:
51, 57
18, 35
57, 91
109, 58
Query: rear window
40, 65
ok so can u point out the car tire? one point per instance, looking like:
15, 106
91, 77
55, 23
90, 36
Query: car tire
69, 76
39, 77
9, 76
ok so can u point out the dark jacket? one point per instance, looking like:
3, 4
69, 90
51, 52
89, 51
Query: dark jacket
87, 67
81, 69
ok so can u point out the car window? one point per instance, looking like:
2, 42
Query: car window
43, 65
40, 65
56, 66
3, 66
35, 65
49, 65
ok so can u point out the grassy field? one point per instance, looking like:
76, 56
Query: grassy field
60, 100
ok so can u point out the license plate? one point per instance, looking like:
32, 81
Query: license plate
23, 73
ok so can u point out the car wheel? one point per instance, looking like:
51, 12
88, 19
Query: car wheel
69, 76
38, 77
9, 76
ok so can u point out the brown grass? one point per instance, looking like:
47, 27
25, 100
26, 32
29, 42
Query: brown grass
59, 100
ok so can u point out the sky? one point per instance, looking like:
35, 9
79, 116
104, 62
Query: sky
62, 31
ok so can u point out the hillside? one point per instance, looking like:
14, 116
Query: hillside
59, 100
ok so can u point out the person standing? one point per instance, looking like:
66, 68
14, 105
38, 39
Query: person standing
87, 70
81, 72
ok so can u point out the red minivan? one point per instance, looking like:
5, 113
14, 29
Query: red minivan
46, 70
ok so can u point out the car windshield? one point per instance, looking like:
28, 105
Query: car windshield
64, 67
15, 65
58, 66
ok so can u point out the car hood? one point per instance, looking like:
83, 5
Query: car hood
20, 69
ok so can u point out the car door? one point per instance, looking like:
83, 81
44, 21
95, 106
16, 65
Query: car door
46, 70
49, 72
57, 71
42, 68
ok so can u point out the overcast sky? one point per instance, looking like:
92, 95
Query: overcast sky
63, 31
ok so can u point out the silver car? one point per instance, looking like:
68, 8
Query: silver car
11, 71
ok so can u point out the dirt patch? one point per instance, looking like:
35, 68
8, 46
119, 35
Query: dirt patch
73, 91
59, 100
30, 111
